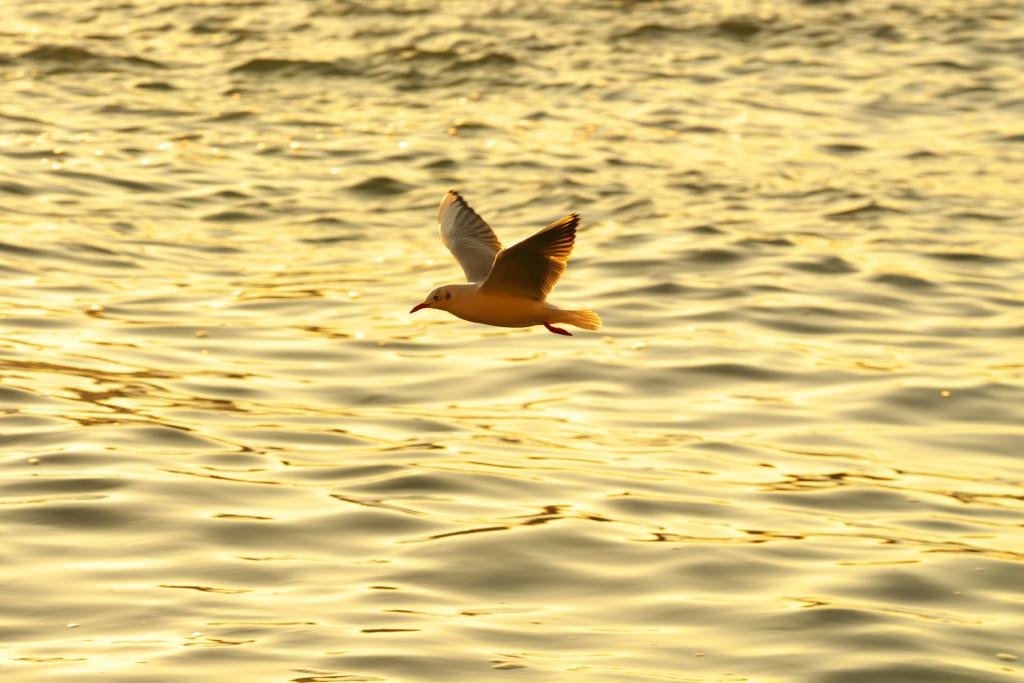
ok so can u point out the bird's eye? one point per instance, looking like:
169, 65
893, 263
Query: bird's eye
436, 297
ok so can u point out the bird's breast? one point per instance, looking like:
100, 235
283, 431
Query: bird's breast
502, 311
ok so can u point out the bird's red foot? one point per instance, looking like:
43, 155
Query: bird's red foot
557, 330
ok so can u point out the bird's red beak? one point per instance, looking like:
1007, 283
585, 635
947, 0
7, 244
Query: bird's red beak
419, 306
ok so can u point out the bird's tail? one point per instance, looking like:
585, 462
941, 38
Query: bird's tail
586, 319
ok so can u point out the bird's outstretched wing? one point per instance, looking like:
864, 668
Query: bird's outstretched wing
467, 236
531, 268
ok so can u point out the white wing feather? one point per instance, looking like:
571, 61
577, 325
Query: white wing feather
469, 238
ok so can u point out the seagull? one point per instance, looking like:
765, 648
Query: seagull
505, 287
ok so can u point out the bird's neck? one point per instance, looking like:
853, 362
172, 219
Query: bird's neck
463, 297
463, 293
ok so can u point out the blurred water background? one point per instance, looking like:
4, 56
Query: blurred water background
792, 454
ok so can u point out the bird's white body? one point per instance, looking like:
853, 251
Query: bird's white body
506, 287
470, 303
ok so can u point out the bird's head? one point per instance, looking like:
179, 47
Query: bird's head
439, 297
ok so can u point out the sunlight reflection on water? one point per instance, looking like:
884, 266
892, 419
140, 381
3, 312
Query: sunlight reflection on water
229, 449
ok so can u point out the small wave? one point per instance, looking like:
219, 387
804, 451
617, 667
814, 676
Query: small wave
121, 109
68, 58
20, 119
828, 265
135, 185
949, 64
155, 85
442, 163
843, 149
84, 515
237, 115
230, 217
978, 216
706, 230
18, 250
740, 27
798, 326
380, 185
59, 54
741, 371
188, 246
295, 67
712, 256
28, 153
737, 27
763, 242
704, 130
11, 187
464, 127
9, 396
657, 289
903, 281
964, 256
456, 58
872, 208
648, 31
502, 59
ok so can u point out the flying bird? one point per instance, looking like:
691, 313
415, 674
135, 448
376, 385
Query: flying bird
505, 287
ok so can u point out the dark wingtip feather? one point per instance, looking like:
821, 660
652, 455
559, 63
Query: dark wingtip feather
460, 200
570, 223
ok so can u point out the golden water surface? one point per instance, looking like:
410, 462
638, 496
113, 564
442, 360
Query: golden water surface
792, 454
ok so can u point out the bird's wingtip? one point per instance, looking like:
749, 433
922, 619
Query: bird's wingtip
450, 197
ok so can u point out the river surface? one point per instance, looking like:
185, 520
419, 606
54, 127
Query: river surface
793, 453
